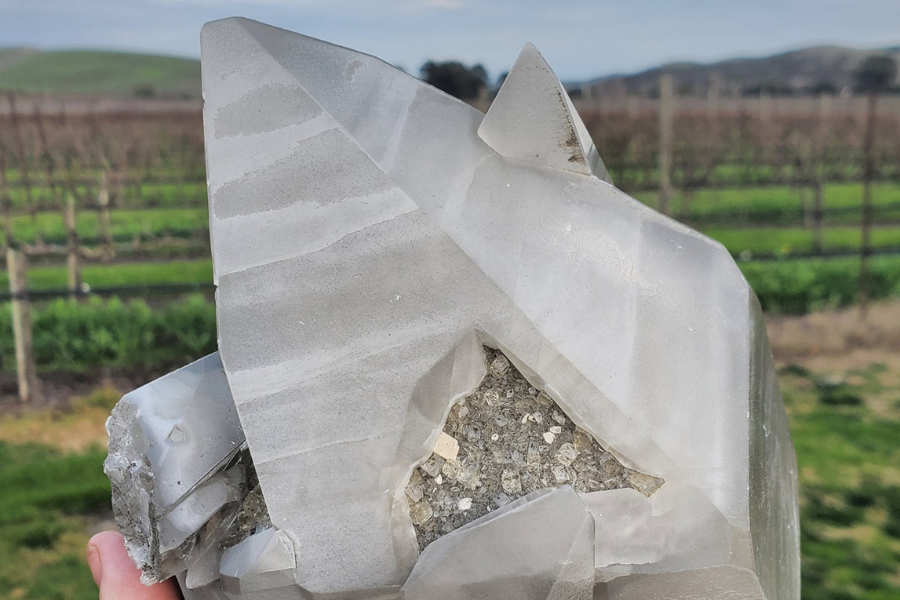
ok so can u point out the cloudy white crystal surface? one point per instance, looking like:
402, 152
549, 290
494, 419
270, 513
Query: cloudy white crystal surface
370, 234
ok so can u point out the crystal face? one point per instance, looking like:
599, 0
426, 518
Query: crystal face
371, 236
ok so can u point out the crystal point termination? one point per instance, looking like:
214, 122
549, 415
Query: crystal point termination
370, 236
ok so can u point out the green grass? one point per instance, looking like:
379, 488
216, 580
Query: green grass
773, 204
785, 286
71, 335
121, 274
797, 240
802, 286
101, 72
124, 224
750, 205
44, 512
185, 222
134, 196
75, 336
847, 456
739, 170
10, 56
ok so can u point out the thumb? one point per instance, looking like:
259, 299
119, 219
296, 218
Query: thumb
116, 575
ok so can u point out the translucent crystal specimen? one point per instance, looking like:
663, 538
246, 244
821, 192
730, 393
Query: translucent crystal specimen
540, 547
533, 120
260, 568
370, 236
174, 466
364, 233
213, 591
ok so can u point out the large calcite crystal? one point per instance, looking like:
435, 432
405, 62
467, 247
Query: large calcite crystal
622, 436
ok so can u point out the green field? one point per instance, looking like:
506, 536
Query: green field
845, 429
137, 195
185, 222
172, 251
77, 336
122, 274
845, 433
793, 286
776, 204
787, 286
765, 220
99, 73
73, 335
786, 241
124, 224
800, 286
743, 171
46, 507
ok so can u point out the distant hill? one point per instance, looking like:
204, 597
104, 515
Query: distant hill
826, 68
122, 74
98, 73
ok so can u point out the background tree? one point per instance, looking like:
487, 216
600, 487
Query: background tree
455, 78
875, 74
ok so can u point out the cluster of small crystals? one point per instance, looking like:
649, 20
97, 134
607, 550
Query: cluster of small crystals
513, 440
252, 516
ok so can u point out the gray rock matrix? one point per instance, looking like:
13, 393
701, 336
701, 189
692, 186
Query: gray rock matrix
454, 360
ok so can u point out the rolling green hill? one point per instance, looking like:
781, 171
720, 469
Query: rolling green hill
788, 72
10, 56
93, 72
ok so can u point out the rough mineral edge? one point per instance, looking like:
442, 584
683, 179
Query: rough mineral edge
170, 445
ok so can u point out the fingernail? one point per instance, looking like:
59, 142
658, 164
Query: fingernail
94, 562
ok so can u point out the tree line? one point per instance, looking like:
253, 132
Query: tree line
877, 73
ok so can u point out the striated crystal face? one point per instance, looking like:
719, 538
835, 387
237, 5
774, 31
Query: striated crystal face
463, 364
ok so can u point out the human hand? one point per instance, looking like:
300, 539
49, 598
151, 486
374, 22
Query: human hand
116, 575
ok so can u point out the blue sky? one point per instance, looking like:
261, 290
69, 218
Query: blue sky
580, 38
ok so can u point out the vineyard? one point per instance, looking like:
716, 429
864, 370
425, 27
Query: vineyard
109, 200
108, 271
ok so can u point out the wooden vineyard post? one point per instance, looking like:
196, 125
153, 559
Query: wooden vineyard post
5, 200
764, 109
73, 248
866, 222
712, 146
818, 235
633, 107
825, 102
587, 93
104, 221
20, 155
713, 93
622, 102
666, 114
29, 391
